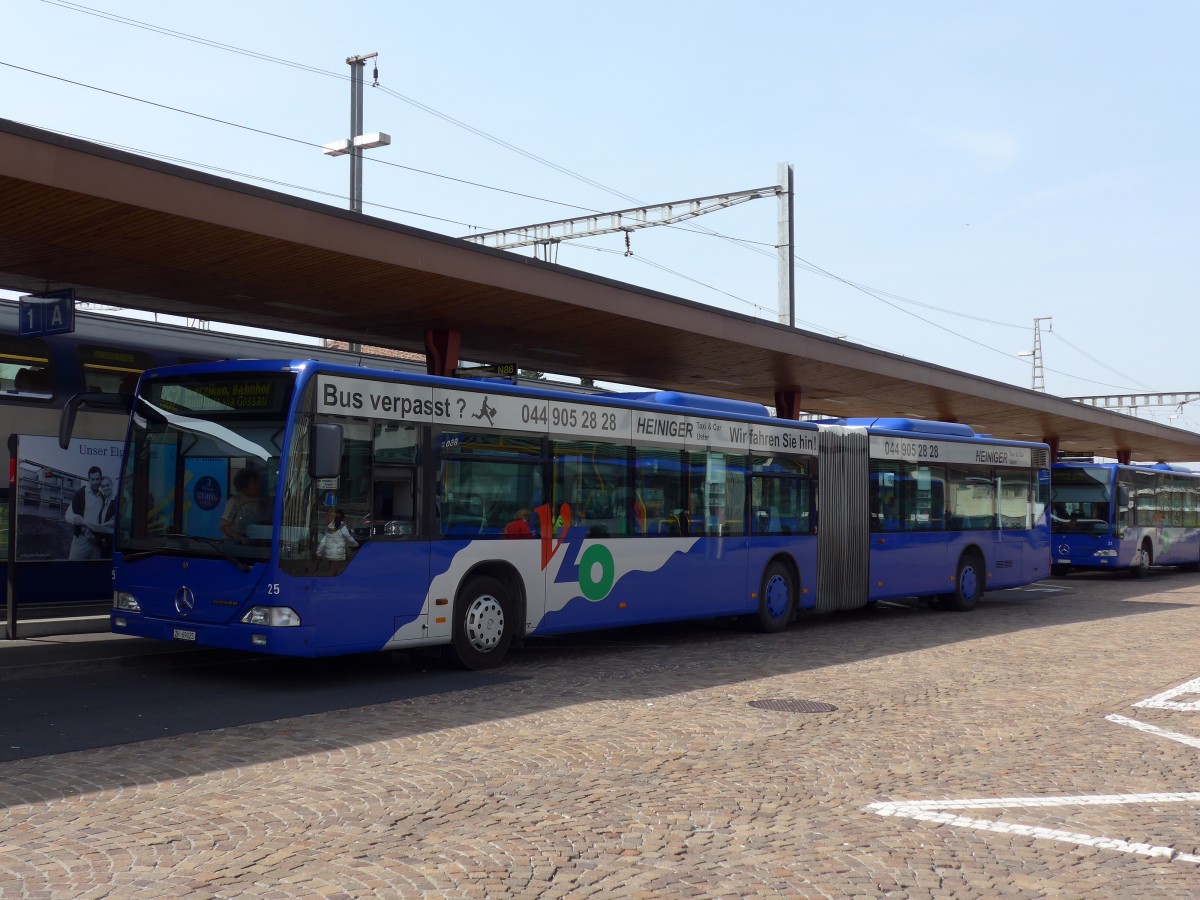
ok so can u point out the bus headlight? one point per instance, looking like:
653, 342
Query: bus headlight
126, 601
1105, 553
272, 617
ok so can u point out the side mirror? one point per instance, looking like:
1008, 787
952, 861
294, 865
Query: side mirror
1123, 496
66, 422
325, 458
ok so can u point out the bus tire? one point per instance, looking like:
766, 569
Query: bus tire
483, 624
968, 584
776, 599
1059, 571
1143, 561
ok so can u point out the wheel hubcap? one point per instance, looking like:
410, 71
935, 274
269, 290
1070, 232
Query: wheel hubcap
484, 623
969, 583
777, 596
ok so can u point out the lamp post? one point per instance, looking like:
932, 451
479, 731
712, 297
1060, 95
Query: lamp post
357, 142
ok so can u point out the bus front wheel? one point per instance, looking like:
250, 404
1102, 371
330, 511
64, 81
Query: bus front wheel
968, 584
776, 599
483, 624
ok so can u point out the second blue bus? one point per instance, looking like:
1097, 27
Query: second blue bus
1123, 518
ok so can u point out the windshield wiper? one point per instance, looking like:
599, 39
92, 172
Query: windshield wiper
218, 545
141, 554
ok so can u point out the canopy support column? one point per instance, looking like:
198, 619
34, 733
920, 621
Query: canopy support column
441, 351
787, 404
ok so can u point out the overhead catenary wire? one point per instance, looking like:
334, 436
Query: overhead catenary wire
812, 267
1099, 362
282, 137
758, 247
693, 228
219, 45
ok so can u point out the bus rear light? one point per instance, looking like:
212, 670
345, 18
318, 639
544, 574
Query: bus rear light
126, 601
272, 617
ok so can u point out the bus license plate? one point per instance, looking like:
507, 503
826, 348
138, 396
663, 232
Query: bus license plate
1064, 561
182, 635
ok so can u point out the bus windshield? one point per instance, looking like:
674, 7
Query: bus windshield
1082, 501
201, 466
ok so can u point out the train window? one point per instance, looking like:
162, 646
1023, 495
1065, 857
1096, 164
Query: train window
25, 369
112, 371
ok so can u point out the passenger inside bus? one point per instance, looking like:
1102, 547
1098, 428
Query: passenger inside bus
245, 507
519, 526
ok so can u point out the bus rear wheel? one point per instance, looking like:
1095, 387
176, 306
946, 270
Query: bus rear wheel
776, 599
483, 624
968, 584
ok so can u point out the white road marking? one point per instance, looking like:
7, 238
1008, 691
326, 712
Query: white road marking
935, 810
929, 811
1155, 730
1163, 700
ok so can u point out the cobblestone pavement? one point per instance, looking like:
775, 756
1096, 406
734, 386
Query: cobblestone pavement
631, 765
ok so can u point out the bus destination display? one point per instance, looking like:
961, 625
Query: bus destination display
258, 395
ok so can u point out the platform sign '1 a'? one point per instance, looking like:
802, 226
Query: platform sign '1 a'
51, 312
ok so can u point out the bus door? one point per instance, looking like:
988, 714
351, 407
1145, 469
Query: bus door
1015, 497
377, 591
909, 541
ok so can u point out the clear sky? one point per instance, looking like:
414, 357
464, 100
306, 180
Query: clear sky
961, 168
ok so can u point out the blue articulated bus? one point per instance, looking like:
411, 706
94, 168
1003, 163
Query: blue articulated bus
486, 513
1124, 518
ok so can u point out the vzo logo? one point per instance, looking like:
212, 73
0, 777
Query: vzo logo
597, 569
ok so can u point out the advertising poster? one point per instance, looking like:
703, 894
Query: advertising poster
66, 499
206, 492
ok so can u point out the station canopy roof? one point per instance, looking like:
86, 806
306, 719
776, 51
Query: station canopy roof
134, 232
